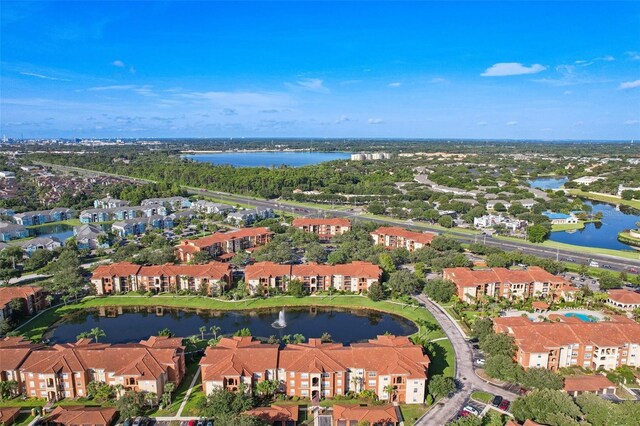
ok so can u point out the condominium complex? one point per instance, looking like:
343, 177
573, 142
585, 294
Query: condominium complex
474, 284
122, 277
321, 370
33, 299
325, 229
355, 276
393, 237
224, 245
568, 341
64, 370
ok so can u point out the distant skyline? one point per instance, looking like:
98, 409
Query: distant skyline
499, 70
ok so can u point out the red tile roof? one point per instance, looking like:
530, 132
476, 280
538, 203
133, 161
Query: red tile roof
465, 277
216, 270
310, 221
14, 351
71, 416
8, 415
375, 414
220, 237
424, 238
275, 413
542, 336
22, 292
626, 297
593, 383
271, 269
237, 356
120, 269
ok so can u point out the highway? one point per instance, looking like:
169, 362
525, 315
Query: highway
613, 262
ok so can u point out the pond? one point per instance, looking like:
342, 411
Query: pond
545, 183
131, 324
268, 159
59, 231
605, 233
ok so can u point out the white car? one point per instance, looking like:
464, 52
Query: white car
480, 361
470, 409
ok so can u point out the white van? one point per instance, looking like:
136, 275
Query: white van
594, 264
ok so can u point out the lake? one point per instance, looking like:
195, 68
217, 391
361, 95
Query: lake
268, 159
60, 231
545, 183
131, 324
605, 233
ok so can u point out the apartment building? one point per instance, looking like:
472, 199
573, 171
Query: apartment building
81, 415
570, 342
393, 237
122, 213
355, 276
209, 207
109, 203
223, 245
624, 299
64, 370
247, 217
141, 225
325, 229
474, 284
15, 351
44, 216
171, 203
321, 370
33, 299
9, 231
210, 278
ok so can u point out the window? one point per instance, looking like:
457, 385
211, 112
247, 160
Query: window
30, 374
80, 392
588, 348
304, 375
33, 392
326, 384
304, 392
339, 382
32, 384
339, 374
65, 375
78, 374
587, 356
372, 374
372, 382
292, 382
415, 390
292, 374
304, 384
325, 374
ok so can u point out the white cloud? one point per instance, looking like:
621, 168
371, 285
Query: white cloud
482, 123
374, 121
118, 63
511, 123
114, 87
310, 84
395, 84
634, 56
437, 80
42, 76
504, 69
630, 84
631, 122
262, 100
342, 119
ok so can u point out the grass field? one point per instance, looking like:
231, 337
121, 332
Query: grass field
567, 227
412, 412
605, 198
70, 222
480, 396
180, 392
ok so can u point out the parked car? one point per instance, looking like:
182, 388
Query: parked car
480, 361
137, 421
497, 400
475, 346
191, 423
469, 409
504, 405
464, 413
209, 423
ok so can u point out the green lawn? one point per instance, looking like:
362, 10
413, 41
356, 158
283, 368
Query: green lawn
23, 403
568, 226
480, 396
179, 394
70, 222
23, 419
606, 198
412, 412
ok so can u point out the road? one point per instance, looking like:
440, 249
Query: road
616, 263
465, 376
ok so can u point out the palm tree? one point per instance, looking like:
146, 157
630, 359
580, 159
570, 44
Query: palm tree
356, 381
215, 330
390, 391
167, 394
96, 333
202, 330
298, 338
49, 299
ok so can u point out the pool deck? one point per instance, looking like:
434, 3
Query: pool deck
536, 315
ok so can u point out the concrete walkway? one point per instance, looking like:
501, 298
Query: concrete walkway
188, 394
465, 375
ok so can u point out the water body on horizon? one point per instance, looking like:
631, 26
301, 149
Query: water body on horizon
545, 183
268, 159
131, 324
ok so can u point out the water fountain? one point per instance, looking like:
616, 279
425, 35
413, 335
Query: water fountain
281, 322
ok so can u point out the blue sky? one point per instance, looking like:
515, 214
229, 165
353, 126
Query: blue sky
559, 70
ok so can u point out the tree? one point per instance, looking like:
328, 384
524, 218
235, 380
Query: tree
445, 221
440, 290
376, 292
546, 406
215, 330
16, 307
243, 332
167, 394
224, 406
267, 388
295, 288
404, 282
315, 252
386, 263
498, 344
540, 378
608, 281
537, 233
501, 367
390, 390
201, 257
131, 404
441, 386
298, 338
482, 327
96, 333
376, 207
202, 329
165, 332
8, 389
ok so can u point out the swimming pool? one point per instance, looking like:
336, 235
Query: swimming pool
583, 317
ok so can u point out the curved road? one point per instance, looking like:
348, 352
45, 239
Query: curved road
465, 376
